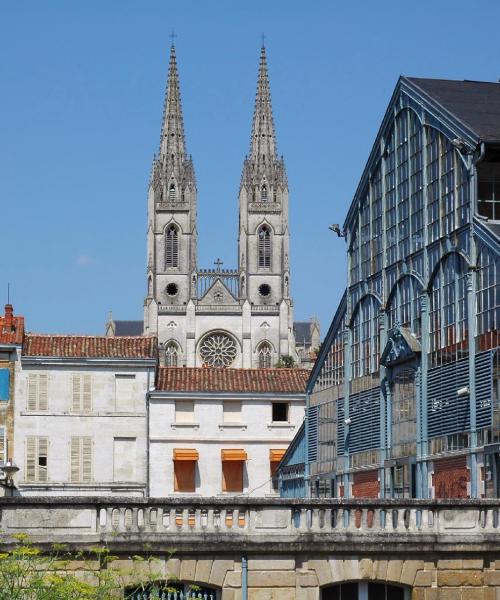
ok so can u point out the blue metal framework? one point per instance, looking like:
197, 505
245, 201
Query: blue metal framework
408, 372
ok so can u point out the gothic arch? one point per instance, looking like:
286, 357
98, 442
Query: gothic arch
171, 243
172, 221
264, 247
173, 352
265, 353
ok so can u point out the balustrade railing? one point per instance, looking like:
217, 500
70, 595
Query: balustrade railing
248, 517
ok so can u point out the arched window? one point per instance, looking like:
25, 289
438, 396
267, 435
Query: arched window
172, 355
171, 193
403, 305
365, 338
171, 247
448, 311
263, 193
363, 589
264, 247
265, 355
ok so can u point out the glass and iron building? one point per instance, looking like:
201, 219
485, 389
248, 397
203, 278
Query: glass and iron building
403, 400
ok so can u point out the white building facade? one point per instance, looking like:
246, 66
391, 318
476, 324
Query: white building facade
218, 317
80, 415
222, 431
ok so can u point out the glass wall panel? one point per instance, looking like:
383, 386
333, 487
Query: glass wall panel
448, 311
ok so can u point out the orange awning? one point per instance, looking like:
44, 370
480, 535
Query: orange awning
185, 454
276, 455
235, 454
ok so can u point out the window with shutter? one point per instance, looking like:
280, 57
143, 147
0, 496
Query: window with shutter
38, 391
81, 460
37, 459
171, 247
82, 393
264, 247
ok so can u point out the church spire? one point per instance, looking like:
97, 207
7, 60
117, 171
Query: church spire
173, 143
263, 142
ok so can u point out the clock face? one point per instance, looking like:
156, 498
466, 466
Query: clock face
264, 290
172, 289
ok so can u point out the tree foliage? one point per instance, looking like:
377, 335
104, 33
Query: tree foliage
27, 573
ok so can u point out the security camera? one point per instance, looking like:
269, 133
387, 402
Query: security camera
347, 421
463, 391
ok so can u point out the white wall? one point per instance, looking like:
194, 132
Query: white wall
256, 434
104, 423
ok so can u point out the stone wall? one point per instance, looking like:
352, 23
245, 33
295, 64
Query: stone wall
437, 550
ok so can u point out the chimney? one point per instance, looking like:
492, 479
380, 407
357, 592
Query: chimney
8, 324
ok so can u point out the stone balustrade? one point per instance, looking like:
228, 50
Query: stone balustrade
270, 524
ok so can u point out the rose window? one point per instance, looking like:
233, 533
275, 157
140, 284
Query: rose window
218, 350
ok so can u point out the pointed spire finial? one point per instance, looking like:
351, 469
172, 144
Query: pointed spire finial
172, 142
172, 37
263, 143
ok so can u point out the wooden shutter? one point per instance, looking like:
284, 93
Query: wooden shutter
75, 459
82, 393
31, 458
43, 451
87, 393
32, 391
86, 459
184, 476
232, 476
77, 386
43, 380
81, 459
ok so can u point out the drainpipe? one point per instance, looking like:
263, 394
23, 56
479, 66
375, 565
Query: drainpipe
148, 477
244, 578
307, 483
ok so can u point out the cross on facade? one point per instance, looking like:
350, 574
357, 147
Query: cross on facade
218, 264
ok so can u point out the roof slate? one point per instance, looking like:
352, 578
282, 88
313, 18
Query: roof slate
79, 346
302, 332
206, 379
474, 103
127, 328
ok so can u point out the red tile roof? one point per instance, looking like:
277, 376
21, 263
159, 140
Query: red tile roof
206, 379
82, 346
11, 327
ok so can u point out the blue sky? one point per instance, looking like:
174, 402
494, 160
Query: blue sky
81, 93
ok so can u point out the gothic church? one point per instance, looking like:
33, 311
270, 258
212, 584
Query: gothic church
219, 317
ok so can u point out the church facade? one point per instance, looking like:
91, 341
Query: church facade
218, 317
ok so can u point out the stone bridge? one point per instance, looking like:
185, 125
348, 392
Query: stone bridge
281, 549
